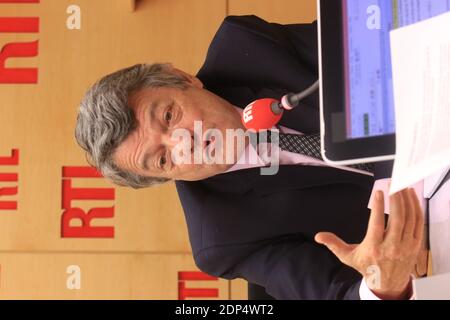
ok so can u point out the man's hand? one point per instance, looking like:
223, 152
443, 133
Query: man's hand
393, 250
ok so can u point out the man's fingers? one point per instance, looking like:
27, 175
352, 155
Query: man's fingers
375, 230
335, 244
396, 220
410, 214
418, 229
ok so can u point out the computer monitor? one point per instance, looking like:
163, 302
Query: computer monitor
357, 104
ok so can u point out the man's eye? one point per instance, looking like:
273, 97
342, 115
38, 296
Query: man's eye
168, 116
162, 161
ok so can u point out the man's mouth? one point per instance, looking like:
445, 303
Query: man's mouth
208, 143
208, 147
204, 144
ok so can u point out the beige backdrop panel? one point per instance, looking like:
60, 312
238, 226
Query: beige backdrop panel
285, 11
104, 276
39, 119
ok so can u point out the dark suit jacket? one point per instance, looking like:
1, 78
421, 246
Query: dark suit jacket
261, 228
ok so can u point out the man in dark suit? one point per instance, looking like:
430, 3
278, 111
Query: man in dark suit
241, 223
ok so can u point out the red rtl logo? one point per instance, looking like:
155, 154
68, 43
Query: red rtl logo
69, 193
184, 292
18, 49
13, 160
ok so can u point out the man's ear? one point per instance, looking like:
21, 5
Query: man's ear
194, 81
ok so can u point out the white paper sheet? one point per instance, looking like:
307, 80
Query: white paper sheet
432, 288
421, 79
432, 183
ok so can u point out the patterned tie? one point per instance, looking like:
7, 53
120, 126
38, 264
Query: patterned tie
309, 145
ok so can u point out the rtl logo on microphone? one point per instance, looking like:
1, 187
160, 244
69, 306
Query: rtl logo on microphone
248, 113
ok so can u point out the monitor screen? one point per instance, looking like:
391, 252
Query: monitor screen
367, 59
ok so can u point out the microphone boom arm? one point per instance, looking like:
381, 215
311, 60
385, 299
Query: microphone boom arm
291, 100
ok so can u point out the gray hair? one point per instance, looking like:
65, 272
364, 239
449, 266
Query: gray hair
105, 119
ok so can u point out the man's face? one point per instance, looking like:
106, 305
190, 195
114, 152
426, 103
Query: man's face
160, 111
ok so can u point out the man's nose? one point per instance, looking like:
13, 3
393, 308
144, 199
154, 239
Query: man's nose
169, 140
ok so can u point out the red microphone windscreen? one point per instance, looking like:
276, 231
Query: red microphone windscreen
258, 115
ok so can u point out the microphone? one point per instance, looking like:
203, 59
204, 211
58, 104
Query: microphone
263, 114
